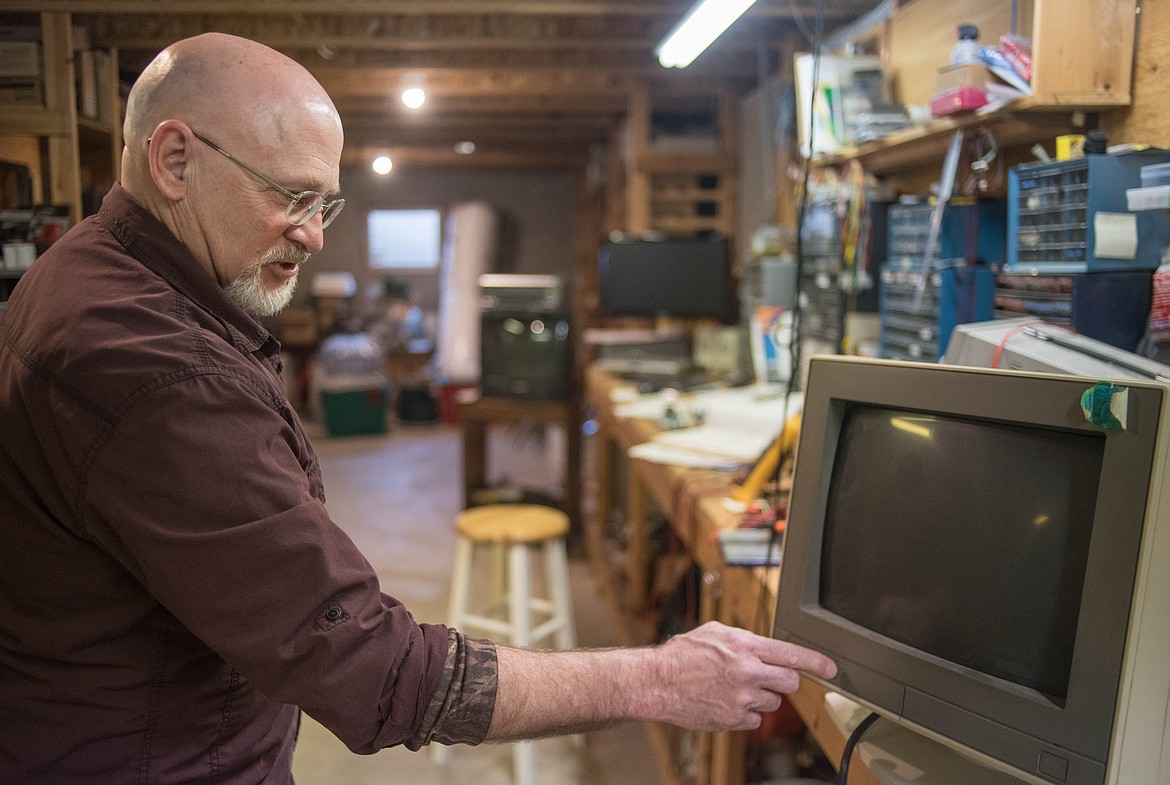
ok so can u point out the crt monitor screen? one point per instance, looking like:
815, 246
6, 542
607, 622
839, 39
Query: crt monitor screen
684, 278
987, 565
911, 559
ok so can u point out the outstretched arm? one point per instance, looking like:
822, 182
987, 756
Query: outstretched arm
712, 678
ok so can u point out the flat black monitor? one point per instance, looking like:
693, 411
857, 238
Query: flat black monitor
986, 564
686, 278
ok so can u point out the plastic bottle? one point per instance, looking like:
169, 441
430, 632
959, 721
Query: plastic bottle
966, 49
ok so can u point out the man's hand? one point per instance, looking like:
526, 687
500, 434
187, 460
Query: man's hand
723, 678
712, 678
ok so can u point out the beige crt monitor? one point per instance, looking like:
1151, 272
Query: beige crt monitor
987, 566
1028, 344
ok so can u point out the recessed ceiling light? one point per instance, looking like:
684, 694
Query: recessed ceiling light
414, 97
465, 148
382, 164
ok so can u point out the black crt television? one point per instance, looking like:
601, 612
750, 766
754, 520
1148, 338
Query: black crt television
686, 278
986, 566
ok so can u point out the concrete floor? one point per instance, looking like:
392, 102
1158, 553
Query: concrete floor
396, 496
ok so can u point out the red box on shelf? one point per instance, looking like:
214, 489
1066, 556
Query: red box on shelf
956, 99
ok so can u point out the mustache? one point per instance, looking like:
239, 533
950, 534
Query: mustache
289, 255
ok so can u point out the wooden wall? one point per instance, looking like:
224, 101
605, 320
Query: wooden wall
1147, 119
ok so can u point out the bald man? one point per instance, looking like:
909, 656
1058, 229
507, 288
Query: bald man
172, 590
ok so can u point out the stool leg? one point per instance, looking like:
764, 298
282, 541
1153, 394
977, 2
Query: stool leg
499, 572
518, 589
524, 763
456, 612
460, 584
523, 752
557, 567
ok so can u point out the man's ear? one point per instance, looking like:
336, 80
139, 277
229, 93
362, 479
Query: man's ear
169, 156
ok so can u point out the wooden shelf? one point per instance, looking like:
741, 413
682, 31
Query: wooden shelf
686, 163
1011, 126
674, 191
688, 195
1082, 59
72, 155
33, 120
94, 126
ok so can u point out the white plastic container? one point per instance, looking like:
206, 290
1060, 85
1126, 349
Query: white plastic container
966, 49
1155, 197
1155, 174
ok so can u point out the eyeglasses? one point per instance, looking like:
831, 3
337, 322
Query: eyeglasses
301, 206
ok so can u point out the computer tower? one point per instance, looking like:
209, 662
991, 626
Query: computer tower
525, 354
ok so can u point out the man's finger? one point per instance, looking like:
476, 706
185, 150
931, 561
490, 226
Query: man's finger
789, 655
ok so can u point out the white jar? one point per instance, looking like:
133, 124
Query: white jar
966, 49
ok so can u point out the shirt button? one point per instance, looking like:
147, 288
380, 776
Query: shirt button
333, 612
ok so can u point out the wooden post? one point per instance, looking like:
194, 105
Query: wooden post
60, 96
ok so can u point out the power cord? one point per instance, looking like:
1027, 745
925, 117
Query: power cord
843, 769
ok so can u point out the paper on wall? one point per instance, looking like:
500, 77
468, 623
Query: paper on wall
1116, 235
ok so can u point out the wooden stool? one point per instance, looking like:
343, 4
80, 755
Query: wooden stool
514, 531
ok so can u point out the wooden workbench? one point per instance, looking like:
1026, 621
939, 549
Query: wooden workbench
691, 499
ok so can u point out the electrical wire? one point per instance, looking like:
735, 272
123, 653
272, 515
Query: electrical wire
794, 344
777, 539
798, 17
843, 769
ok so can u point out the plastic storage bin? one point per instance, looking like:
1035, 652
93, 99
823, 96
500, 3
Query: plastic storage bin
360, 409
354, 388
1073, 217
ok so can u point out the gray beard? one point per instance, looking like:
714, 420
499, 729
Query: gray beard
248, 292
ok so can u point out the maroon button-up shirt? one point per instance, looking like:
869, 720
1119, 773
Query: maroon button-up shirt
171, 586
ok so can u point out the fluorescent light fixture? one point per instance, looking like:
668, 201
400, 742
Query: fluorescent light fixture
695, 32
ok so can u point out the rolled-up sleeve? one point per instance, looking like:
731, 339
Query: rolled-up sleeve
461, 710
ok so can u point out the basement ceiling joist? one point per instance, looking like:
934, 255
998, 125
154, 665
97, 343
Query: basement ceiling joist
542, 77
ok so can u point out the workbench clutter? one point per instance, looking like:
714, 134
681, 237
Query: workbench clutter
735, 426
980, 77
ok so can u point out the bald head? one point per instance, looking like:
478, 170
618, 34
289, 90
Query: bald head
203, 97
229, 87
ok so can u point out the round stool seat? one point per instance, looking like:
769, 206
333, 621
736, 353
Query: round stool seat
511, 523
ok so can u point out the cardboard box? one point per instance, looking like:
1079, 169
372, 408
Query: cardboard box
956, 99
953, 77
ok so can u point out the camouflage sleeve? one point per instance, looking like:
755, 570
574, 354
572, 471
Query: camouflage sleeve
461, 709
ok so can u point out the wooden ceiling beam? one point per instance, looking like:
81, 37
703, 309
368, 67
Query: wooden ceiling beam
399, 33
528, 107
374, 82
460, 117
367, 128
517, 158
632, 8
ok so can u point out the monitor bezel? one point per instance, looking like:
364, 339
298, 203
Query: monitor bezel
1007, 723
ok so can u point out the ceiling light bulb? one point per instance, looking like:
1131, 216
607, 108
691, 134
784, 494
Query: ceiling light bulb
702, 25
465, 148
382, 164
414, 97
